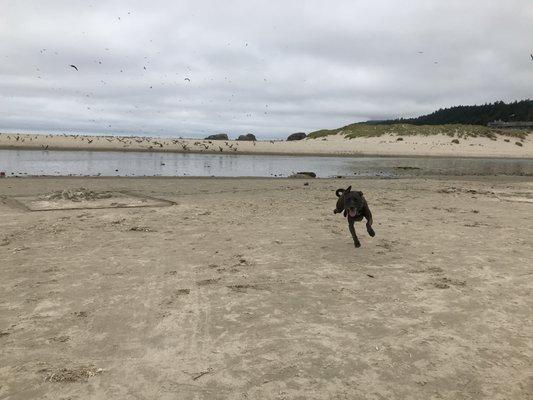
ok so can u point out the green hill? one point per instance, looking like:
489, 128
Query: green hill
453, 130
460, 121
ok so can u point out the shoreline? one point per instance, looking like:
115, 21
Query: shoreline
472, 177
333, 146
266, 154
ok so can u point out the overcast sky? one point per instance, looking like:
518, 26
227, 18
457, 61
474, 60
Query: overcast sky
192, 68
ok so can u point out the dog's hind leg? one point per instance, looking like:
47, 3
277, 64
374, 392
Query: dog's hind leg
356, 241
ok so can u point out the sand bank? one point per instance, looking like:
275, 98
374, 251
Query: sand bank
337, 145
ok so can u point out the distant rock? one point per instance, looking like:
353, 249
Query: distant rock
303, 174
218, 136
297, 136
248, 137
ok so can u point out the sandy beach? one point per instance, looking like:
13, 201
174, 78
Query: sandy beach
336, 145
166, 288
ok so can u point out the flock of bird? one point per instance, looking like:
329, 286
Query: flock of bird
100, 62
133, 143
100, 118
79, 69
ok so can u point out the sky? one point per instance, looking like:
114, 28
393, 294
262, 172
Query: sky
271, 68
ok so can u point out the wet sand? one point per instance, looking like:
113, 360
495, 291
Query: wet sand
337, 145
252, 289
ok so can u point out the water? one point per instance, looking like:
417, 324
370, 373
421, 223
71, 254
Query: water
95, 163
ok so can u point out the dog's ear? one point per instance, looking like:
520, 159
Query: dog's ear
348, 189
339, 192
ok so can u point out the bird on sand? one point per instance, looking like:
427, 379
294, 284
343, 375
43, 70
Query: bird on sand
73, 66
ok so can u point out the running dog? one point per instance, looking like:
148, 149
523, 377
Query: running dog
353, 205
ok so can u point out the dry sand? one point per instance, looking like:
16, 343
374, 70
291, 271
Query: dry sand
252, 289
338, 145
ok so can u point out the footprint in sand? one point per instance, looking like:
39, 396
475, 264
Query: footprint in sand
444, 283
60, 339
387, 244
242, 288
174, 296
205, 282
81, 314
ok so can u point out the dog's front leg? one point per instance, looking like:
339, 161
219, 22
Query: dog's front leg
369, 228
352, 231
368, 215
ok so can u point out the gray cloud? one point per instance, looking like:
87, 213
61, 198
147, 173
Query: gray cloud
265, 67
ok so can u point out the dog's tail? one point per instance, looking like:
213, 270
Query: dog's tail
339, 192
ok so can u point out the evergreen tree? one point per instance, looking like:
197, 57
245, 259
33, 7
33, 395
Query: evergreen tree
472, 115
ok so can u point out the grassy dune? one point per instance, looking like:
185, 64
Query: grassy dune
453, 130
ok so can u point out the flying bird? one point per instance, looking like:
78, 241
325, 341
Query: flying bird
531, 55
187, 79
73, 66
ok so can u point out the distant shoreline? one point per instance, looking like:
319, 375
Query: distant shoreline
266, 154
331, 146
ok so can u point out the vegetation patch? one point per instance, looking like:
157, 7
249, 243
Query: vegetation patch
361, 130
487, 120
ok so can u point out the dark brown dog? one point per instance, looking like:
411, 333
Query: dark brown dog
354, 207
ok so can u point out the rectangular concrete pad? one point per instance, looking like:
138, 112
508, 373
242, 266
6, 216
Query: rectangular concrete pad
119, 200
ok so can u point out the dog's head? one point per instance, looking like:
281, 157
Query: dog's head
353, 201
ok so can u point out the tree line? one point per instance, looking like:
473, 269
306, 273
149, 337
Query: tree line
472, 115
